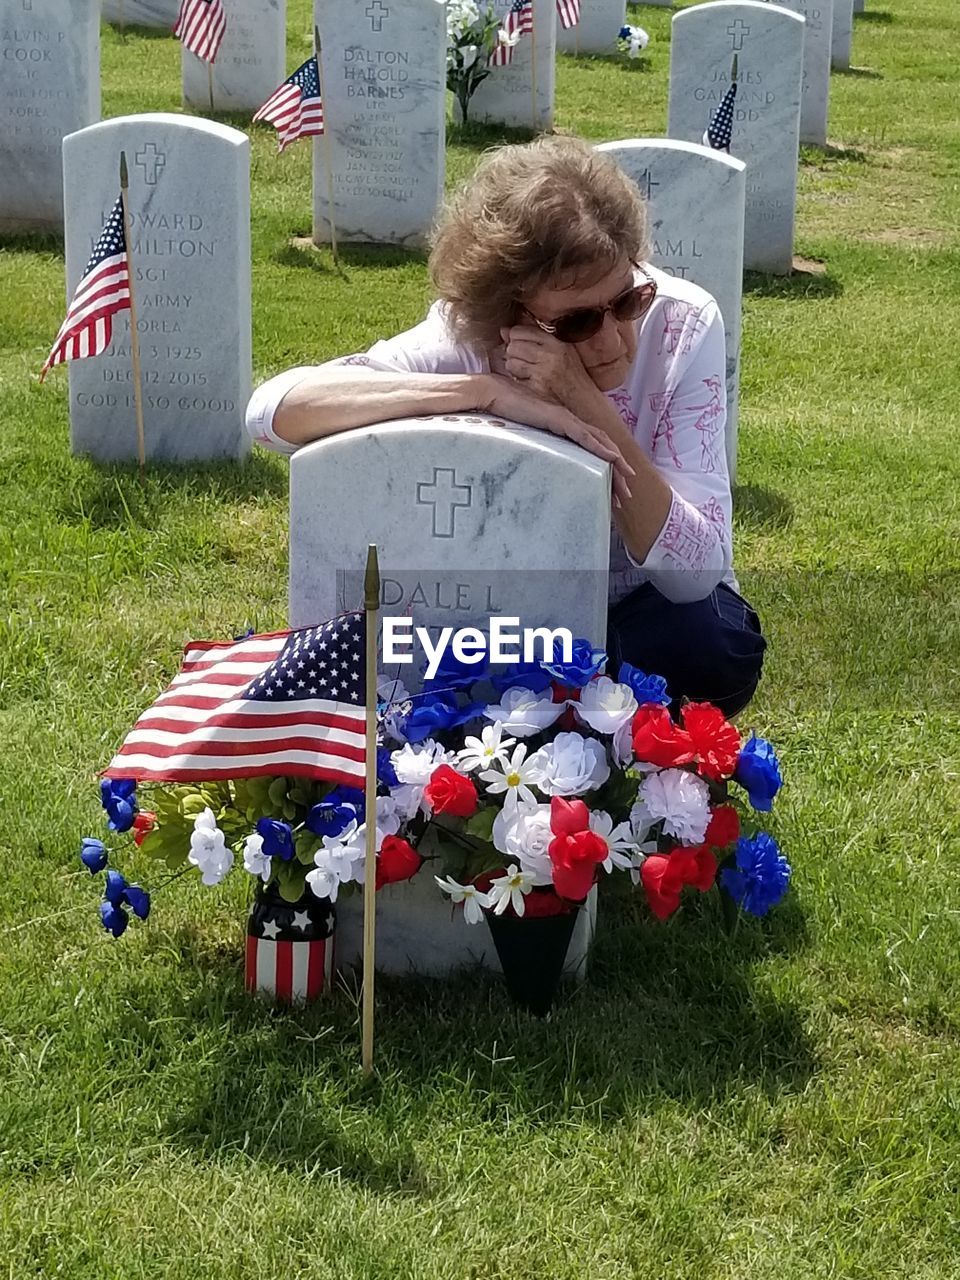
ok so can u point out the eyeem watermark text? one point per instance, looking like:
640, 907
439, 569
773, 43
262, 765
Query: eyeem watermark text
505, 642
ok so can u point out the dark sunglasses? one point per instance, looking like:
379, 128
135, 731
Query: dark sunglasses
579, 325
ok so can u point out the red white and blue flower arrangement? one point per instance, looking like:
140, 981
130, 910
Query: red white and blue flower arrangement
516, 791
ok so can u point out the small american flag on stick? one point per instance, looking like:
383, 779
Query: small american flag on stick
201, 26
568, 11
289, 703
295, 108
518, 22
104, 289
719, 132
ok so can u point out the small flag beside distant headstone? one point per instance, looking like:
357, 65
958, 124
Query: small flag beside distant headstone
568, 11
518, 22
201, 26
719, 132
295, 109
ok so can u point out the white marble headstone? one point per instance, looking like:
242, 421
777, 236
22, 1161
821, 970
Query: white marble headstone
384, 102
695, 201
768, 41
189, 241
842, 33
250, 63
141, 13
471, 517
49, 85
597, 30
508, 93
859, 6
818, 38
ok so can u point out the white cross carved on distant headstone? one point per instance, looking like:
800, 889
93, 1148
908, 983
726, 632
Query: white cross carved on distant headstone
28, 6
376, 13
444, 495
152, 162
736, 32
646, 183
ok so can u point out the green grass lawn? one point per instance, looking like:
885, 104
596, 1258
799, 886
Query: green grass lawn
782, 1105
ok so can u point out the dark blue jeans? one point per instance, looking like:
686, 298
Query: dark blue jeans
708, 651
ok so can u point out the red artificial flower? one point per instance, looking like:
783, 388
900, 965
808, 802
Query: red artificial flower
664, 875
657, 740
397, 860
542, 902
143, 824
451, 792
724, 826
715, 741
575, 850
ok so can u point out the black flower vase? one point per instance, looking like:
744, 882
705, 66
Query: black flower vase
532, 952
290, 946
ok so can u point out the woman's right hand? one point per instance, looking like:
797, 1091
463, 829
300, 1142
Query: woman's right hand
506, 398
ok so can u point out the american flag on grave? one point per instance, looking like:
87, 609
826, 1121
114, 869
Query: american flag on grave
104, 289
568, 11
719, 132
289, 703
295, 109
518, 21
201, 26
290, 948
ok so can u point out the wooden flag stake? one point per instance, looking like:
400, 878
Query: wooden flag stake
134, 335
371, 603
533, 59
328, 159
210, 84
733, 70
121, 22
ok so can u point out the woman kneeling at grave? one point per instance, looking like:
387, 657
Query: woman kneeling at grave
547, 315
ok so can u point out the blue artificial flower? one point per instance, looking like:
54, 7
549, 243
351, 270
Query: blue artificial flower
115, 889
529, 674
758, 772
277, 838
645, 688
114, 918
586, 662
118, 797
93, 854
761, 876
432, 713
454, 674
386, 773
336, 811
138, 900
624, 33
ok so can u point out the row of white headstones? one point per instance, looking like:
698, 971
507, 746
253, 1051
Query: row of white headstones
711, 214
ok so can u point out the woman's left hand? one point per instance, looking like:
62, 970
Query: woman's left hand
547, 366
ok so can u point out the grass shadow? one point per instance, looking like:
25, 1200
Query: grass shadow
858, 73
300, 252
110, 496
800, 283
32, 242
618, 60
478, 135
758, 506
669, 1012
830, 154
882, 17
141, 32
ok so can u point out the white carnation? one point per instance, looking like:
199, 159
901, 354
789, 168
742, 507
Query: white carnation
681, 800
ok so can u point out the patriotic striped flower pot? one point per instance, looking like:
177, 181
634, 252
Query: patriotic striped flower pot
289, 946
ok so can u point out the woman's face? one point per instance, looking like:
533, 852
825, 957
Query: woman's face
606, 356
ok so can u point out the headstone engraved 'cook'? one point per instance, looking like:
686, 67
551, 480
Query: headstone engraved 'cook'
49, 86
506, 96
695, 200
250, 63
141, 13
768, 41
818, 37
842, 33
384, 82
189, 239
472, 517
597, 30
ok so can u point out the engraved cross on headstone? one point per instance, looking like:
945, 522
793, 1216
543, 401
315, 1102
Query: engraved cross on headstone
28, 6
376, 12
646, 184
445, 496
152, 162
736, 32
